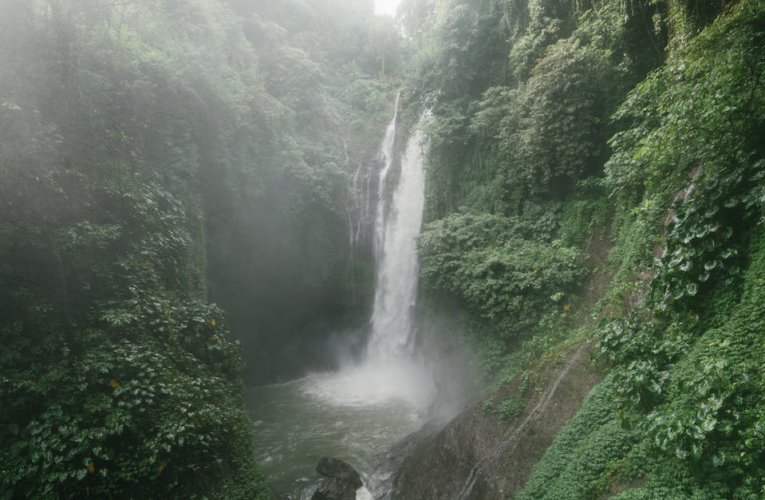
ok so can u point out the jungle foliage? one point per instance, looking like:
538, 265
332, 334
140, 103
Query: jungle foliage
484, 259
156, 157
520, 133
638, 126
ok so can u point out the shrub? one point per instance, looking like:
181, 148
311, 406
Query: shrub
504, 278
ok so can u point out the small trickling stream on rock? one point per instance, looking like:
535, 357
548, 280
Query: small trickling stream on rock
368, 405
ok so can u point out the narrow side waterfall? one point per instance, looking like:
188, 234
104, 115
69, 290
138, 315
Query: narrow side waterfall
386, 154
397, 232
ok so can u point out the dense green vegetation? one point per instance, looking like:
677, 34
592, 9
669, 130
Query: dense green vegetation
156, 157
160, 157
486, 260
560, 129
279, 261
521, 96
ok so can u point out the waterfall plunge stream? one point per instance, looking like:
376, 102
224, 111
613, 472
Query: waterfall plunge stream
365, 407
395, 247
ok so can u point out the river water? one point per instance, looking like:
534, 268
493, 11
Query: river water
365, 407
354, 414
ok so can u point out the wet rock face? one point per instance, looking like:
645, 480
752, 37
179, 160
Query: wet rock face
478, 457
342, 483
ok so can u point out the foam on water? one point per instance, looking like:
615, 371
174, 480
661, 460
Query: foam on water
364, 494
372, 383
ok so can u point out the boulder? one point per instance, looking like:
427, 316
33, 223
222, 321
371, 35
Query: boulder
342, 482
334, 489
336, 468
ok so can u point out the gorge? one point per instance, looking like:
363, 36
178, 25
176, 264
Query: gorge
477, 249
371, 402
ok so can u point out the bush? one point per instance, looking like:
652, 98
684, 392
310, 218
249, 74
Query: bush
153, 407
504, 278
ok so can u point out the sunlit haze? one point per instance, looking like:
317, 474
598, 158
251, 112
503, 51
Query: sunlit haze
366, 249
386, 6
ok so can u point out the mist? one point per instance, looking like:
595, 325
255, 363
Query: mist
203, 193
382, 249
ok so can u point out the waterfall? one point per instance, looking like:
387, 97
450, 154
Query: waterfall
396, 233
390, 391
390, 371
396, 225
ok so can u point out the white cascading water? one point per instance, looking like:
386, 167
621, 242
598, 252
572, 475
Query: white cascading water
396, 236
390, 370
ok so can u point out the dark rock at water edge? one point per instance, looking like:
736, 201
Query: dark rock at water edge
342, 483
477, 455
335, 489
336, 468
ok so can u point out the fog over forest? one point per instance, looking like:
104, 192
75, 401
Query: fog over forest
382, 249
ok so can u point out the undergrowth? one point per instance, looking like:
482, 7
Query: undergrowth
682, 412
